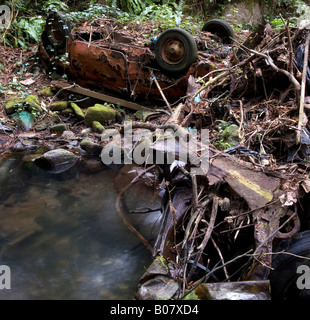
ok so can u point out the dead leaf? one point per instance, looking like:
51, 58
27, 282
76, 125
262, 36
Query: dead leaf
27, 82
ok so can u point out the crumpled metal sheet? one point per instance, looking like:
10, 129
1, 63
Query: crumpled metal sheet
239, 290
157, 283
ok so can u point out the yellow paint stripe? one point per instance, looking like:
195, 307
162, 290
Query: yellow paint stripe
251, 185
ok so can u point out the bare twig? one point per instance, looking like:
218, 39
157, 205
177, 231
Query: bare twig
303, 89
207, 235
207, 276
161, 91
126, 222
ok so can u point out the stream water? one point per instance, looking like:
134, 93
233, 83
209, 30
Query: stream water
62, 237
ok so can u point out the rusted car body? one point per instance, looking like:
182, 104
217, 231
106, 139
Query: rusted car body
118, 65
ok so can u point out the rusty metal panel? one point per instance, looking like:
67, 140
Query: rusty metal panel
93, 64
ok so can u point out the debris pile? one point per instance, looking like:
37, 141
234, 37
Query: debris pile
224, 226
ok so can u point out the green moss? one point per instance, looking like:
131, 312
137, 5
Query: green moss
100, 113
191, 296
163, 262
77, 111
32, 100
47, 92
32, 103
13, 105
59, 105
58, 128
163, 298
97, 127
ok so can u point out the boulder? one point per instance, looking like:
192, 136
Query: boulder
56, 161
100, 113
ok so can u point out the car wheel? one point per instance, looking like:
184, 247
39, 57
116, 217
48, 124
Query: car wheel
175, 50
289, 281
220, 28
57, 29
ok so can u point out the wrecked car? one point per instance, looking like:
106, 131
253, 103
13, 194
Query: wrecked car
97, 58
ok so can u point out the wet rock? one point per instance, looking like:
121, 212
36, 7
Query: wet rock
26, 145
97, 127
100, 113
58, 128
59, 105
77, 111
56, 161
91, 148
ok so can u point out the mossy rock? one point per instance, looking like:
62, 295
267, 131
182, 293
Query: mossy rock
59, 105
32, 103
42, 126
97, 127
100, 113
77, 111
13, 105
47, 92
91, 148
58, 128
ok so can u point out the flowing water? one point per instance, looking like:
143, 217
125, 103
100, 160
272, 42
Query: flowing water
62, 237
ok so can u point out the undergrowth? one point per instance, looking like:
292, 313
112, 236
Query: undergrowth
28, 18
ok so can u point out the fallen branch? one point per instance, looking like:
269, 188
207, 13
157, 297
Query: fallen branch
290, 76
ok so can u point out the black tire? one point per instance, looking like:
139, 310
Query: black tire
57, 29
179, 41
283, 279
220, 28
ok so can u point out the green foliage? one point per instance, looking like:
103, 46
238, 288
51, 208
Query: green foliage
27, 22
289, 9
55, 5
222, 136
168, 15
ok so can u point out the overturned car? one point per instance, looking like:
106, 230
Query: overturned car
100, 58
